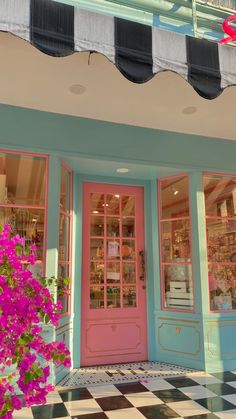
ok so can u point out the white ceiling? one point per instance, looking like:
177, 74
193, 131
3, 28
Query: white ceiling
33, 80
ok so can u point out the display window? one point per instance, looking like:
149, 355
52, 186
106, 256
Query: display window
220, 209
23, 199
65, 230
175, 244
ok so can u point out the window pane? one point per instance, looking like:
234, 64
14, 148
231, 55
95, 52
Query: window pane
96, 297
178, 286
221, 239
113, 297
64, 237
96, 249
128, 249
175, 237
220, 196
113, 249
129, 276
65, 190
28, 223
222, 286
174, 197
22, 179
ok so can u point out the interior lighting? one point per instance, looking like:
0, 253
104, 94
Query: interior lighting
77, 89
122, 170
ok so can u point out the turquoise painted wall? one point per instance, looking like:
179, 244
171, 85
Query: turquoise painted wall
190, 339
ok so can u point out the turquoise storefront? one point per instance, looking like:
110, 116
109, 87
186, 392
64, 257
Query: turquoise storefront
181, 270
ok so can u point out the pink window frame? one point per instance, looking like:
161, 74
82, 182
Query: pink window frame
68, 214
42, 207
160, 221
212, 174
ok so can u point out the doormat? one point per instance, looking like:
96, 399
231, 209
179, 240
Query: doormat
121, 373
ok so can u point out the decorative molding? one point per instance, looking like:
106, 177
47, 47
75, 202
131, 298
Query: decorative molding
178, 329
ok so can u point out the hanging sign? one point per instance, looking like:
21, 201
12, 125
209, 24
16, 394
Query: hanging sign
229, 30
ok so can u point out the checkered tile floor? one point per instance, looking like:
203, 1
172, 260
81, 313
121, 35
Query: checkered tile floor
197, 395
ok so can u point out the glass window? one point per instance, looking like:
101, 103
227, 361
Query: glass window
175, 244
23, 199
220, 208
65, 222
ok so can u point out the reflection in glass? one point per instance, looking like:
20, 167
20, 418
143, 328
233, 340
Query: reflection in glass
97, 226
113, 227
178, 286
129, 297
28, 223
22, 179
63, 270
97, 273
96, 297
129, 275
113, 297
96, 249
128, 249
113, 272
113, 249
128, 227
128, 205
65, 190
113, 204
97, 203
221, 240
220, 195
175, 237
64, 237
174, 197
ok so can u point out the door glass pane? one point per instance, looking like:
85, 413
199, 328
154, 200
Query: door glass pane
113, 249
128, 249
113, 204
97, 273
128, 205
128, 227
97, 226
129, 297
96, 297
113, 227
96, 249
97, 203
113, 297
113, 272
22, 179
129, 274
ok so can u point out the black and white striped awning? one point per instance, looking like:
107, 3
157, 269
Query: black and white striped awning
138, 51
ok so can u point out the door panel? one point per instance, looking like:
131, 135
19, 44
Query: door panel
113, 292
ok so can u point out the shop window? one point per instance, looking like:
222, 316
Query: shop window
175, 244
220, 207
23, 199
65, 223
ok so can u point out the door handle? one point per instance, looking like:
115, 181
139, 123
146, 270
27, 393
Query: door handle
142, 276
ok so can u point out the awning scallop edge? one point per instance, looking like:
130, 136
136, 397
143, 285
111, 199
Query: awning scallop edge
138, 51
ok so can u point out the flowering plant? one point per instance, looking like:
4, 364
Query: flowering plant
25, 304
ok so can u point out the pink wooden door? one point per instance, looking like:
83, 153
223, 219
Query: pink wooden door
113, 285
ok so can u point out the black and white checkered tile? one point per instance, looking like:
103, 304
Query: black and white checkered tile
121, 373
197, 395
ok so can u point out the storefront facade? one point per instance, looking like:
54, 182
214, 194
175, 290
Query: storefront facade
142, 220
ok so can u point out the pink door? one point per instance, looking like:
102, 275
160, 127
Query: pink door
113, 283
